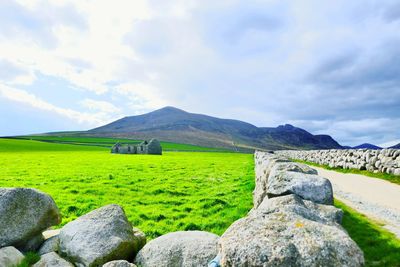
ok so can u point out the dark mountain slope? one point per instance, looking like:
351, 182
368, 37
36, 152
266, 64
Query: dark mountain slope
170, 118
368, 146
297, 137
175, 125
396, 146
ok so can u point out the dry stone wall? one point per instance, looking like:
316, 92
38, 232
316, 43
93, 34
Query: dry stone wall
385, 160
292, 223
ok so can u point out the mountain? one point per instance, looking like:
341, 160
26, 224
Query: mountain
368, 146
175, 125
396, 146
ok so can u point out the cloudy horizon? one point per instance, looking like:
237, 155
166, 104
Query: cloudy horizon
328, 67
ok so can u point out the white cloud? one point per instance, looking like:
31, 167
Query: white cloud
102, 106
27, 98
355, 131
141, 96
390, 143
99, 43
15, 73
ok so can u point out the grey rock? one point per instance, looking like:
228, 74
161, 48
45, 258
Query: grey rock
25, 213
98, 237
318, 212
50, 233
120, 263
307, 186
52, 259
327, 212
288, 236
34, 243
293, 167
374, 160
10, 257
140, 238
188, 249
49, 245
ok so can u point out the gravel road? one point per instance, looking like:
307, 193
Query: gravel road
373, 197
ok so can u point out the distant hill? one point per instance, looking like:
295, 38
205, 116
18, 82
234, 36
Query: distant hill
396, 146
368, 146
175, 125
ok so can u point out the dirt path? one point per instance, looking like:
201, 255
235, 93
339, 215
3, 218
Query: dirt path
374, 197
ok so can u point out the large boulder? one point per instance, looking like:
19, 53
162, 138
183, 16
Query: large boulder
120, 263
98, 237
318, 212
293, 167
188, 249
33, 244
25, 213
286, 179
52, 259
287, 232
10, 256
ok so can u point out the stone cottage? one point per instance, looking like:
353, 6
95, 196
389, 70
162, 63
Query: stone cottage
152, 147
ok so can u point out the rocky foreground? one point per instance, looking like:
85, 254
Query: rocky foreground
292, 223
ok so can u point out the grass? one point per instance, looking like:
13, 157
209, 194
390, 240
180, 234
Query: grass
380, 247
30, 259
385, 176
160, 194
26, 146
109, 142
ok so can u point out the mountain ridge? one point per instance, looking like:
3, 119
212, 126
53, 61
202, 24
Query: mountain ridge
396, 146
176, 125
368, 146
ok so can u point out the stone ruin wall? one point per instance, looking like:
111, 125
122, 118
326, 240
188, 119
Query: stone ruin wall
293, 223
385, 160
152, 147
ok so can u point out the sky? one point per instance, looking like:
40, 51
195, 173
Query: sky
330, 67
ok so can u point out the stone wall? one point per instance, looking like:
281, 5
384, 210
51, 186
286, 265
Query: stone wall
293, 223
385, 160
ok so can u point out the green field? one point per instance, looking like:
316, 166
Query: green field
160, 194
109, 142
380, 247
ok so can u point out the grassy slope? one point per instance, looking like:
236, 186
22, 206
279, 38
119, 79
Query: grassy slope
381, 248
15, 145
108, 142
385, 176
160, 194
